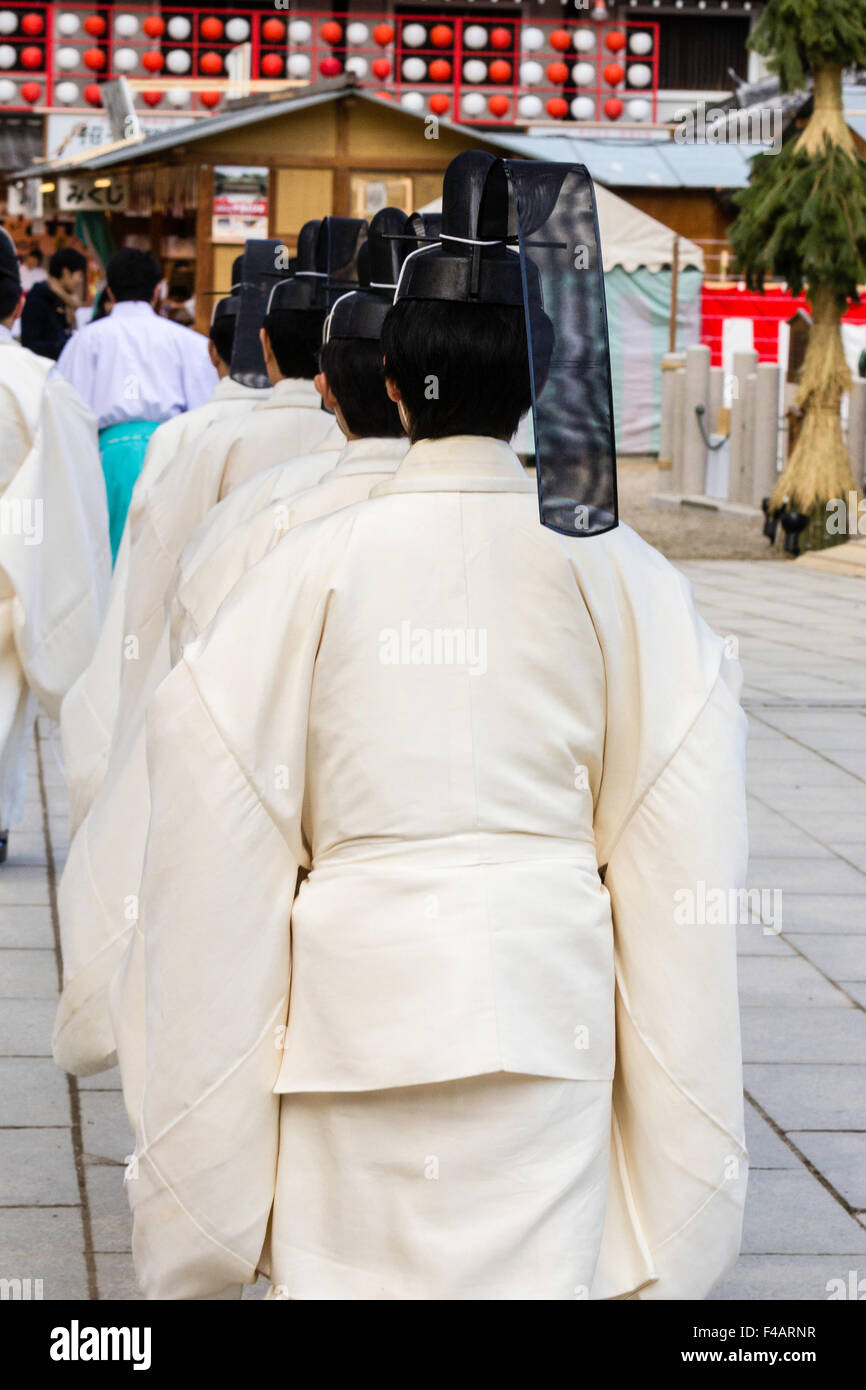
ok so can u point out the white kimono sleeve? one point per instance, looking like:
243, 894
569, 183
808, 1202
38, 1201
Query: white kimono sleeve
671, 829
226, 762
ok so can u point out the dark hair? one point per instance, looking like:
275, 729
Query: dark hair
66, 259
133, 274
461, 368
357, 378
178, 289
295, 339
9, 297
222, 335
34, 251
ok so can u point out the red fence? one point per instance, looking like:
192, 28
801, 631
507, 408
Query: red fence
472, 71
766, 311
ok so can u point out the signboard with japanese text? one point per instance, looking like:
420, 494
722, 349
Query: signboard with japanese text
240, 203
90, 193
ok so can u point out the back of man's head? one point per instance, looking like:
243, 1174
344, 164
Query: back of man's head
66, 259
133, 275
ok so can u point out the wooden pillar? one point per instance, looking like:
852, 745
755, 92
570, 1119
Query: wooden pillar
204, 249
765, 431
342, 180
696, 393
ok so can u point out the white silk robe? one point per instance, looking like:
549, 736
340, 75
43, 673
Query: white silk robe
98, 893
455, 721
89, 710
54, 556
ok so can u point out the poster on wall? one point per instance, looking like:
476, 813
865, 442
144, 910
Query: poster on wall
240, 203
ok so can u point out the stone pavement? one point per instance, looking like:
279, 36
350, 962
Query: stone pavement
63, 1217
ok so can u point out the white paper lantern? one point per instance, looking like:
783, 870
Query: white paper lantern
126, 26
8, 22
412, 101
178, 61
237, 30
179, 28
66, 93
8, 90
472, 104
529, 107
357, 33
68, 24
178, 96
414, 69
68, 58
531, 73
641, 43
298, 65
300, 31
532, 39
639, 74
474, 70
125, 59
7, 55
583, 74
414, 35
475, 36
639, 109
359, 66
583, 108
584, 40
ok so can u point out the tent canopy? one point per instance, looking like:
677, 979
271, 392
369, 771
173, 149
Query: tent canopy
631, 238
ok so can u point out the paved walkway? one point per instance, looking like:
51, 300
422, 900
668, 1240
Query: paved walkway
63, 1217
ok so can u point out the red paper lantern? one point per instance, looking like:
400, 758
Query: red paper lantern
153, 62
439, 103
613, 108
210, 99
557, 107
383, 34
154, 27
557, 73
94, 25
613, 74
30, 91
31, 57
211, 63
331, 31
92, 94
615, 42
330, 67
499, 105
385, 96
560, 39
32, 24
152, 98
499, 71
94, 58
501, 38
381, 68
272, 65
441, 36
273, 31
439, 70
211, 29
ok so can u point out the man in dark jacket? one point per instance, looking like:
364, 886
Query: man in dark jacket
49, 309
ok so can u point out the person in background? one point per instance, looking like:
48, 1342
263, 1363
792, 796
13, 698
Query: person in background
32, 271
54, 565
135, 370
48, 318
175, 306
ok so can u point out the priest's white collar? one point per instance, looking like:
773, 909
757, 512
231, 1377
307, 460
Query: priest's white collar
460, 463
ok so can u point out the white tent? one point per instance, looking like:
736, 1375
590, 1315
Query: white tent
637, 254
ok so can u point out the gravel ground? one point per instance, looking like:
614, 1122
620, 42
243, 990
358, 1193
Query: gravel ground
689, 533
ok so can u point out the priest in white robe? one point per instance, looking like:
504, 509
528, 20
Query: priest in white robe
54, 550
89, 710
477, 1053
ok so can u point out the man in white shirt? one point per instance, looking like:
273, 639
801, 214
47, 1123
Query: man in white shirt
135, 370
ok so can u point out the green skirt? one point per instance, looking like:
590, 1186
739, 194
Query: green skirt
122, 448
